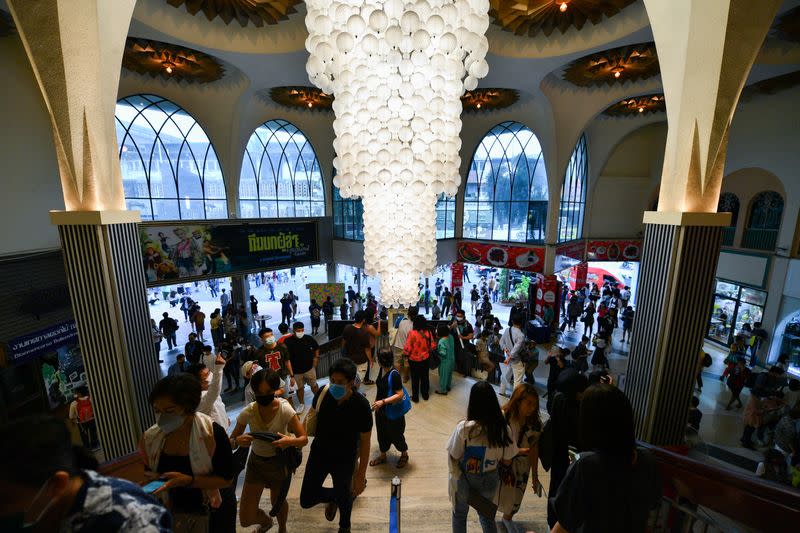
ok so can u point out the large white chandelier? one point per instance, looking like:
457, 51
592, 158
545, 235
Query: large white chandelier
397, 69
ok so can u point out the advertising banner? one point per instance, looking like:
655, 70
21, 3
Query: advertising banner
573, 249
320, 291
62, 373
614, 250
527, 258
28, 347
457, 276
191, 251
547, 298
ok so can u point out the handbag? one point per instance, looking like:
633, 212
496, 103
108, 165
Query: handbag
397, 410
310, 422
434, 360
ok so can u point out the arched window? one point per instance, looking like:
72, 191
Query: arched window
445, 217
280, 174
573, 194
766, 211
729, 203
169, 168
505, 198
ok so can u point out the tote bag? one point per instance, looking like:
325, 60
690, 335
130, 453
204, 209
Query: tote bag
399, 409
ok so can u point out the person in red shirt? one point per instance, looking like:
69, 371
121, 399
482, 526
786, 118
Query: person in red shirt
419, 343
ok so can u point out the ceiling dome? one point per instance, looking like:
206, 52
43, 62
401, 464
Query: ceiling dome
256, 12
534, 16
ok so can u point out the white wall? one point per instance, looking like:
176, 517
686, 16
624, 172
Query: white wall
743, 268
29, 175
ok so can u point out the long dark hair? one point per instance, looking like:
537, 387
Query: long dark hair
484, 409
605, 423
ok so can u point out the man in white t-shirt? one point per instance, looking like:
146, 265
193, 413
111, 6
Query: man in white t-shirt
512, 342
209, 372
399, 342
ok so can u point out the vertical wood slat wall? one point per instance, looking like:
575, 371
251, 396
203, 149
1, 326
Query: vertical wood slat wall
106, 285
675, 291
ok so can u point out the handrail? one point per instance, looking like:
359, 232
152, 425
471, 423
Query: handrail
753, 502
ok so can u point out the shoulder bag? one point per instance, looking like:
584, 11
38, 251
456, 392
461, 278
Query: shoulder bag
434, 360
397, 410
310, 422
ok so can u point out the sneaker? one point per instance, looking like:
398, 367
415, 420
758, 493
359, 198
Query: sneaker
301, 408
330, 511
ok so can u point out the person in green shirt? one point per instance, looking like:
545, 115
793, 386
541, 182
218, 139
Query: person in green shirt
447, 353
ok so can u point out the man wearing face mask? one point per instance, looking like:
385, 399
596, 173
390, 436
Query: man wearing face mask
340, 447
43, 489
276, 357
304, 356
465, 351
209, 373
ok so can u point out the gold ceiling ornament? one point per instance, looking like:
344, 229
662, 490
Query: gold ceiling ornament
787, 26
302, 97
531, 17
244, 12
7, 26
617, 65
170, 61
488, 99
638, 105
772, 85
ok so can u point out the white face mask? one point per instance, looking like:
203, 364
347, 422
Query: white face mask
299, 334
169, 422
269, 341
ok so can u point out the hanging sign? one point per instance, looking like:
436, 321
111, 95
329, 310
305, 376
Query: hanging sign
527, 258
614, 250
191, 251
28, 347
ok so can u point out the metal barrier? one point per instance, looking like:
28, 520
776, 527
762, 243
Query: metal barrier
760, 239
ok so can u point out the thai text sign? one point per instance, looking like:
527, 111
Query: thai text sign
179, 252
23, 349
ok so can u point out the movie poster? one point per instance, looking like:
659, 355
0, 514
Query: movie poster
180, 252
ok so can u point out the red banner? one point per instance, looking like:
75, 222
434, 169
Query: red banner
527, 258
457, 276
581, 273
614, 250
574, 250
547, 298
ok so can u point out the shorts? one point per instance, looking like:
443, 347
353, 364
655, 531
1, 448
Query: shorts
399, 357
306, 378
265, 471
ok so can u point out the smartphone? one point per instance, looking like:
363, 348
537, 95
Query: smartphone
153, 486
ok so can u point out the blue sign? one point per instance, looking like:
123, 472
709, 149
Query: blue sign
28, 347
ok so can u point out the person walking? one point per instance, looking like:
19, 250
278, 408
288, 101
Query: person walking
356, 344
476, 447
588, 319
447, 354
271, 286
266, 467
169, 327
418, 346
340, 447
217, 333
293, 303
156, 335
327, 311
286, 309
474, 298
627, 323
315, 310
304, 357
522, 416
82, 414
391, 432
199, 321
513, 342
736, 375
343, 310
463, 333
399, 342
224, 302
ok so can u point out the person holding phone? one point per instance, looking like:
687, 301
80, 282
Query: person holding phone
522, 415
191, 454
265, 466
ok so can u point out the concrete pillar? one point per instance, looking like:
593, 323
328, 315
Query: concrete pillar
706, 50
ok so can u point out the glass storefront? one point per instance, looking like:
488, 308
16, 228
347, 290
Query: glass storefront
734, 305
790, 344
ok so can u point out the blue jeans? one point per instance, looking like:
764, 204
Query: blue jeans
486, 484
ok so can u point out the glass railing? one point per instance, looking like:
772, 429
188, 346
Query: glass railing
760, 239
727, 235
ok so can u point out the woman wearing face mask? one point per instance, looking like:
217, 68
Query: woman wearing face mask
390, 391
447, 354
191, 453
265, 467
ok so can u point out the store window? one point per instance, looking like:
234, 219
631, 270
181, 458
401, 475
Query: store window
445, 217
169, 167
734, 305
790, 344
763, 221
573, 194
280, 174
505, 196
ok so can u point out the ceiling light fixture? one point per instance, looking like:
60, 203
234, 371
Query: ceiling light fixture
618, 71
562, 7
310, 104
641, 109
478, 106
397, 69
168, 65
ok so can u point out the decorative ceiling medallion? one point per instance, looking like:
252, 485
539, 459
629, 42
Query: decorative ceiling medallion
256, 12
488, 99
302, 97
7, 26
638, 105
618, 65
170, 61
534, 16
787, 27
772, 85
